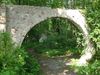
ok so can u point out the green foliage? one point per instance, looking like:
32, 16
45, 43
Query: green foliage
91, 69
50, 3
11, 58
93, 21
14, 60
31, 67
53, 3
57, 3
6, 2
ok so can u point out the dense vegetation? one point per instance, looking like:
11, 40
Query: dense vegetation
53, 37
92, 16
14, 60
56, 30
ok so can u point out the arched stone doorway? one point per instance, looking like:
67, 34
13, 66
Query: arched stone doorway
22, 18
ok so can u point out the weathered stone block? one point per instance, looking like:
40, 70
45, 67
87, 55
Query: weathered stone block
2, 18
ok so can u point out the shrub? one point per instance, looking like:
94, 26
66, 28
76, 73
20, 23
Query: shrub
91, 69
15, 60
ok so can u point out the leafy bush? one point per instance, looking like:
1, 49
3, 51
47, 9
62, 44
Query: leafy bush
14, 60
31, 67
91, 69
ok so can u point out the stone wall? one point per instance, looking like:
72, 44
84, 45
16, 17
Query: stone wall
18, 20
2, 18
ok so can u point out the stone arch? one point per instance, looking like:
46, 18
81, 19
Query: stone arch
22, 18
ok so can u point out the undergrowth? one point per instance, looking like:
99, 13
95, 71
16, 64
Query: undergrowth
15, 60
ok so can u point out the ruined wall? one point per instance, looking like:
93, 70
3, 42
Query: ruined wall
2, 18
18, 20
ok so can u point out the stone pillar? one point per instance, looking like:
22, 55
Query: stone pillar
2, 18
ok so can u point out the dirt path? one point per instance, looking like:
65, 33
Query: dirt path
56, 66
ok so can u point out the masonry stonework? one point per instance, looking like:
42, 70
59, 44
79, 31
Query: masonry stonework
20, 19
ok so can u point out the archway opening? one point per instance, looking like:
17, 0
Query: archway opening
54, 37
